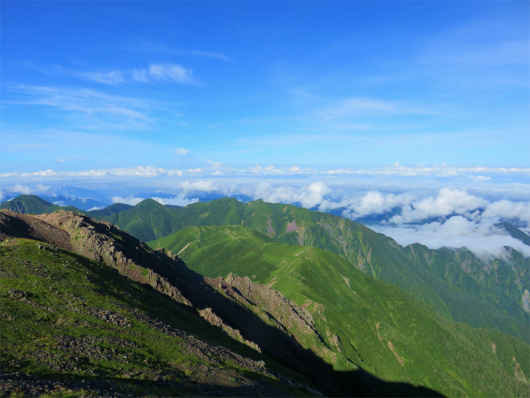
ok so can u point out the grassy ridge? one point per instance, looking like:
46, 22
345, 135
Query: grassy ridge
68, 318
363, 322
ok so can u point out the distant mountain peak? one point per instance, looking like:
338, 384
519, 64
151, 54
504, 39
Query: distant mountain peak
515, 232
148, 202
26, 204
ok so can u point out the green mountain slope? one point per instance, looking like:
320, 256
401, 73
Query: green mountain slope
515, 232
496, 281
146, 278
453, 282
33, 204
107, 211
360, 321
458, 285
147, 220
484, 297
77, 326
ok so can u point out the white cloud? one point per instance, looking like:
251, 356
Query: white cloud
140, 171
447, 202
154, 72
128, 201
374, 202
182, 151
482, 238
507, 209
179, 200
216, 165
199, 186
309, 196
90, 105
164, 72
176, 172
110, 78
480, 178
259, 169
415, 176
314, 194
27, 190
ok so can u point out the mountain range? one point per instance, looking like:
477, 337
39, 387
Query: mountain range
457, 284
303, 287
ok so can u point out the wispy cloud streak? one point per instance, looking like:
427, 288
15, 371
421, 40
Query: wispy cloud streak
164, 72
84, 101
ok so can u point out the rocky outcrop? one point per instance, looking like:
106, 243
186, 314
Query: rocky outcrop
271, 306
26, 226
215, 320
99, 241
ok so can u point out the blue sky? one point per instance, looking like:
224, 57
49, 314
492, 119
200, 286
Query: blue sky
89, 85
371, 106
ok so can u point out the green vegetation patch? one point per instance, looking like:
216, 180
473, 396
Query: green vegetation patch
362, 322
64, 317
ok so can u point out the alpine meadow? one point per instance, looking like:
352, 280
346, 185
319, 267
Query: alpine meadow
265, 199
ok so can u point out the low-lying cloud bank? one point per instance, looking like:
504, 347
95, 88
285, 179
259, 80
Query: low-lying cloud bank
477, 174
482, 238
179, 200
461, 219
445, 203
447, 217
436, 206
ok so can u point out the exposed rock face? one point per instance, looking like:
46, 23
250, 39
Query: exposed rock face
526, 301
26, 226
215, 320
99, 241
270, 305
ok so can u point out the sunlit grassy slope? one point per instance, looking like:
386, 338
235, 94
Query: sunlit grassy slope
362, 321
456, 284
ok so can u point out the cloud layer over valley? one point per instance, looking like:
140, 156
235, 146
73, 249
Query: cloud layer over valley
436, 205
